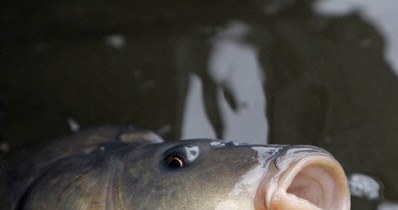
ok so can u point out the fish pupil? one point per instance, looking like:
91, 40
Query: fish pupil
175, 162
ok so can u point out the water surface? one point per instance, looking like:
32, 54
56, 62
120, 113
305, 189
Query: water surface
261, 71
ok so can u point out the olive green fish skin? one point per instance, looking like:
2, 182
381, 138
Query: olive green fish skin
141, 173
30, 166
122, 177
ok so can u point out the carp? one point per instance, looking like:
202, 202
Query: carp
123, 167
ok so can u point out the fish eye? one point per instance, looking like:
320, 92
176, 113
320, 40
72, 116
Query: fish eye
175, 161
180, 156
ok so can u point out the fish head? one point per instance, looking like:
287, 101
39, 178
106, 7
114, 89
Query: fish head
228, 175
192, 174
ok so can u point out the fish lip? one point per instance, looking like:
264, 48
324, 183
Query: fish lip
281, 178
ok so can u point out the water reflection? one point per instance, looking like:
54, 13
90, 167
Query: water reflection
383, 17
382, 14
278, 71
232, 81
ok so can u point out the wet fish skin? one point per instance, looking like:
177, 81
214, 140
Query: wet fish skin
126, 168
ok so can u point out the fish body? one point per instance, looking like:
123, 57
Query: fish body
127, 168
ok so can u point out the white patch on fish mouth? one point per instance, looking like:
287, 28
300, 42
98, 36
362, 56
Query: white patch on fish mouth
192, 152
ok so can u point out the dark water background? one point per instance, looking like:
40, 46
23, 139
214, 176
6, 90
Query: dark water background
328, 79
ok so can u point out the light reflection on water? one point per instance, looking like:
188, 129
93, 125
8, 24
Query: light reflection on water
234, 67
382, 14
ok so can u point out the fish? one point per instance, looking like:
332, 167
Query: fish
123, 167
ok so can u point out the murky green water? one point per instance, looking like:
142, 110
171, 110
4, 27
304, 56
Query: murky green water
313, 77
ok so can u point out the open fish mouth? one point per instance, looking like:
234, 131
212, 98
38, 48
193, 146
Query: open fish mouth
304, 182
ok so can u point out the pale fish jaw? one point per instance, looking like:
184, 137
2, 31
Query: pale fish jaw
314, 182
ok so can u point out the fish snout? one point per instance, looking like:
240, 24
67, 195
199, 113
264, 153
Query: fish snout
302, 179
